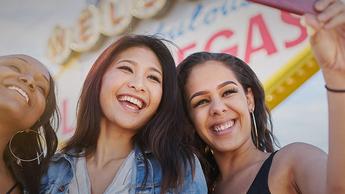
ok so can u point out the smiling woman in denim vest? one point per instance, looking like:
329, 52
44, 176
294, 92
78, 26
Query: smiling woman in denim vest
27, 113
130, 136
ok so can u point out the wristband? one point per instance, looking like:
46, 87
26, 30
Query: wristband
334, 90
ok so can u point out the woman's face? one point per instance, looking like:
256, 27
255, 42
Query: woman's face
132, 88
219, 107
24, 87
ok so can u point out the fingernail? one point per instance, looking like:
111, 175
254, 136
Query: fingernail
319, 6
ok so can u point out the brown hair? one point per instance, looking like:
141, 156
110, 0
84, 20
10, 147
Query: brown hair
247, 79
28, 174
165, 134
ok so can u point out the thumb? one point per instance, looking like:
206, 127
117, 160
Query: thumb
312, 21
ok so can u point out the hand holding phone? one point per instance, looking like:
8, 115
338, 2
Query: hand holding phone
298, 7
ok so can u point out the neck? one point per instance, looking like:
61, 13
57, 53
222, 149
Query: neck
113, 144
231, 162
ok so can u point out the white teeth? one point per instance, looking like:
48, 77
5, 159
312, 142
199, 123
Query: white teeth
223, 126
132, 100
21, 92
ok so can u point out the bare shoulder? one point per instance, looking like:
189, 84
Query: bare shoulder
295, 162
298, 158
300, 151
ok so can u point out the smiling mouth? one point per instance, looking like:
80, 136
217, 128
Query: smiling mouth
223, 126
131, 102
21, 92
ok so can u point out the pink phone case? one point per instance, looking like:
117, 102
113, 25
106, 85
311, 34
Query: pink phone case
298, 7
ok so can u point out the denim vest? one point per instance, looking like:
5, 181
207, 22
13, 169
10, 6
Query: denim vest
62, 167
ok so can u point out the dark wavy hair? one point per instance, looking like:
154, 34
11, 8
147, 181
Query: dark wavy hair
165, 135
27, 145
247, 78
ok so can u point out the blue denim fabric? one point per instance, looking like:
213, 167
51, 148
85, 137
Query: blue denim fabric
61, 171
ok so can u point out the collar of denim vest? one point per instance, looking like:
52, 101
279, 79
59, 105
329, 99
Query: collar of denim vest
72, 154
69, 156
139, 155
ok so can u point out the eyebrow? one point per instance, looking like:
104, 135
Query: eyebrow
45, 77
135, 63
21, 59
218, 87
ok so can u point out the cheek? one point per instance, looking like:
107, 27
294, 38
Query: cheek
102, 93
199, 118
108, 87
36, 112
42, 106
156, 95
40, 101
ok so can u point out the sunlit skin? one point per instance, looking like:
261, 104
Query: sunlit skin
24, 86
31, 77
130, 95
218, 102
220, 110
135, 73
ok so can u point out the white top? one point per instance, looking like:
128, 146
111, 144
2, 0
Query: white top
121, 183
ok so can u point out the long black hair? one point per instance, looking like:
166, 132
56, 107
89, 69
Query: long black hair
165, 135
247, 78
41, 144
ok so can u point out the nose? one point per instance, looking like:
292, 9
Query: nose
137, 83
28, 80
218, 107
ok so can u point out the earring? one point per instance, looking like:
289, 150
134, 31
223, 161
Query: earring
20, 160
208, 149
255, 129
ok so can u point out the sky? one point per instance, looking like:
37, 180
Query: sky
26, 26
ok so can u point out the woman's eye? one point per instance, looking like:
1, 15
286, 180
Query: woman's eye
42, 90
126, 68
15, 68
200, 102
154, 78
229, 92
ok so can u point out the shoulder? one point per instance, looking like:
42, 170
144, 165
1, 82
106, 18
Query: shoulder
298, 152
295, 163
59, 171
297, 159
60, 162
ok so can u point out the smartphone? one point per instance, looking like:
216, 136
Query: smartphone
298, 7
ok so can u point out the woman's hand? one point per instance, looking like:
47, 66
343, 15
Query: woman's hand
328, 41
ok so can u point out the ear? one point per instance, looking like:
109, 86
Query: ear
250, 100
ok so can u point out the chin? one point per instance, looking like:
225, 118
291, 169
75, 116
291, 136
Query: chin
131, 126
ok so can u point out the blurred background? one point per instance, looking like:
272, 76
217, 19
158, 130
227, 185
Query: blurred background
265, 38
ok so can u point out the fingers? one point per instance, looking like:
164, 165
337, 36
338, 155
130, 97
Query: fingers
312, 21
332, 10
312, 24
323, 4
332, 14
337, 21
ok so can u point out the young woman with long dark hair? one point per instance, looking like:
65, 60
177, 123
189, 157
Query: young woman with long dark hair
28, 113
130, 135
226, 104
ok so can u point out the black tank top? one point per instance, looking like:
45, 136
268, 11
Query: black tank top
260, 183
